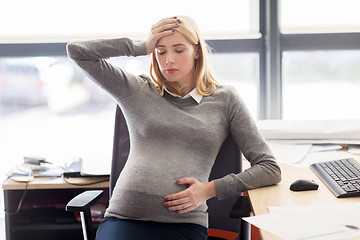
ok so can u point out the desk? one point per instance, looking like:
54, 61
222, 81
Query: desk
42, 214
280, 195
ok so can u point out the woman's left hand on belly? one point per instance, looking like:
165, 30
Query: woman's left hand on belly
194, 196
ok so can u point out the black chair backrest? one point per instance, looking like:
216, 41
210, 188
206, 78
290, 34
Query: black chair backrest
121, 148
227, 161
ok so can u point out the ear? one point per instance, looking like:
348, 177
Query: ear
197, 52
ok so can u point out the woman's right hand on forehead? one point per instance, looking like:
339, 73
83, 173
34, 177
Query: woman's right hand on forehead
161, 29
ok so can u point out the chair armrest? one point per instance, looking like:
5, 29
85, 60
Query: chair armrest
241, 208
84, 200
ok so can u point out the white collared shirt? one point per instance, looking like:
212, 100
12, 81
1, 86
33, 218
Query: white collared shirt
193, 93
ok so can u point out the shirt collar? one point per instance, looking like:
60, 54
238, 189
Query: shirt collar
193, 93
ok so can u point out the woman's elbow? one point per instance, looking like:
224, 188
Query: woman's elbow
72, 50
277, 174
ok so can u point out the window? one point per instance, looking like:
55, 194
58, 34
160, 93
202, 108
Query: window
111, 18
320, 16
49, 109
321, 85
319, 65
241, 71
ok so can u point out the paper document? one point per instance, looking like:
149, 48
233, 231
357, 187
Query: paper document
289, 153
318, 222
354, 149
87, 167
303, 155
323, 156
26, 171
97, 167
325, 147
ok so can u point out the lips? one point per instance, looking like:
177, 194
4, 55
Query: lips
171, 70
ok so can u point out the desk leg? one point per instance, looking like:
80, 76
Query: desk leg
7, 217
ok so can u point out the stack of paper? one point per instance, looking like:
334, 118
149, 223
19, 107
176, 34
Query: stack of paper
302, 143
324, 222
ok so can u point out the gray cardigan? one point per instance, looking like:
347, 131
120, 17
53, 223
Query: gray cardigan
172, 137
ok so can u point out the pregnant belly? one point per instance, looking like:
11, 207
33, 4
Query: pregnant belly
137, 197
143, 206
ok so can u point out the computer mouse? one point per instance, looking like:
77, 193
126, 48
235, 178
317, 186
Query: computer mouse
304, 185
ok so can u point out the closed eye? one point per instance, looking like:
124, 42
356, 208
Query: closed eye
161, 52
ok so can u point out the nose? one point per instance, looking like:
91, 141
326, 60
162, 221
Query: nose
169, 59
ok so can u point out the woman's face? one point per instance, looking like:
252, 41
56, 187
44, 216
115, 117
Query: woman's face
176, 56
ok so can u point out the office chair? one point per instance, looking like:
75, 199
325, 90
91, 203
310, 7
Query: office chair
224, 216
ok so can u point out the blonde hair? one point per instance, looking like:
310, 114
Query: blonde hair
204, 80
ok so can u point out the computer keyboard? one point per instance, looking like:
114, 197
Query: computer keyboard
341, 176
